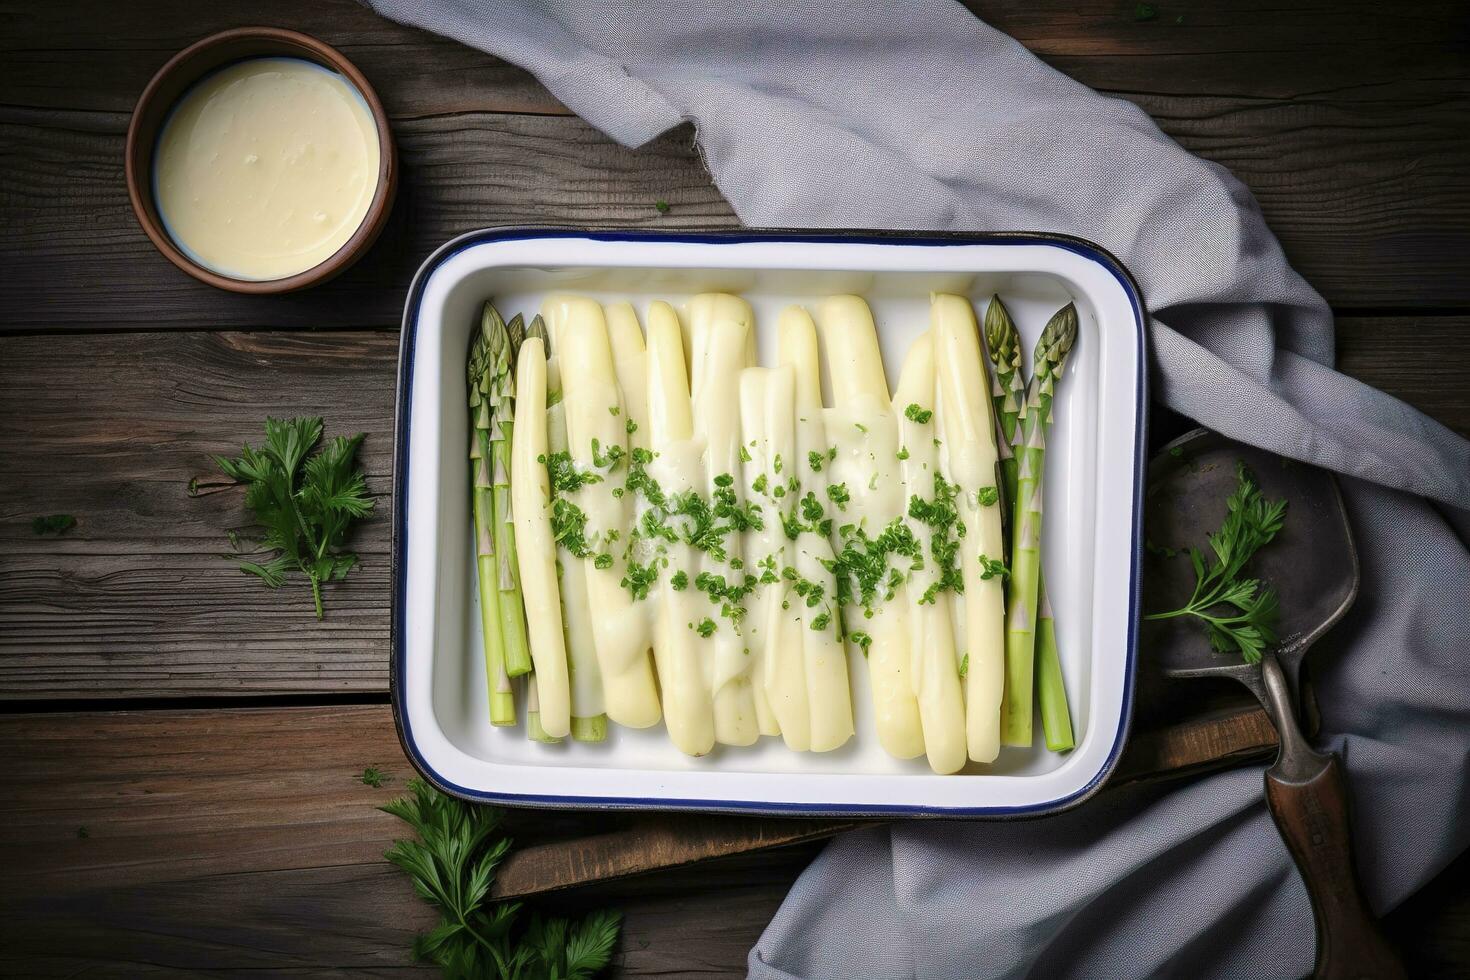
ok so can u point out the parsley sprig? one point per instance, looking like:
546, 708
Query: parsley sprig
452, 866
1239, 614
304, 506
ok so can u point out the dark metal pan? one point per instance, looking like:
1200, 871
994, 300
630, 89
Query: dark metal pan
1313, 566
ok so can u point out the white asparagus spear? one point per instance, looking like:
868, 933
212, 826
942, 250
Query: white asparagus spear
772, 626
721, 326
589, 716
595, 430
630, 361
829, 693
935, 675
970, 455
535, 548
756, 544
684, 673
860, 425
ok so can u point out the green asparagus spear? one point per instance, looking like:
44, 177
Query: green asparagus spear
502, 700
503, 341
1033, 416
1003, 344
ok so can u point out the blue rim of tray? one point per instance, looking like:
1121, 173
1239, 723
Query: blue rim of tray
402, 422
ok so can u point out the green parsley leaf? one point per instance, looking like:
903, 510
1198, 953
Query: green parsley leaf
305, 505
452, 865
1145, 11
661, 206
916, 414
988, 496
1238, 614
679, 581
374, 777
814, 459
706, 628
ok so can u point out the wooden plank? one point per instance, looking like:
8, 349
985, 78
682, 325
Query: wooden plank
234, 840
653, 842
1358, 232
72, 243
1423, 360
134, 602
171, 795
135, 599
1312, 49
1380, 220
415, 73
243, 839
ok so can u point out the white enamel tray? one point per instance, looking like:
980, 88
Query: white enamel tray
1095, 465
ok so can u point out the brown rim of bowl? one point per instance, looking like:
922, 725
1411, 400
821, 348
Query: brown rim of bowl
199, 59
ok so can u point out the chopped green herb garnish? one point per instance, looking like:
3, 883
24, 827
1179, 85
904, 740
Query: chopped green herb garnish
706, 628
640, 578
814, 459
903, 452
569, 527
563, 474
964, 665
991, 567
916, 414
679, 581
988, 496
609, 459
374, 777
53, 524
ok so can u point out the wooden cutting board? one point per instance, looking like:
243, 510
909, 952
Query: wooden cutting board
1178, 730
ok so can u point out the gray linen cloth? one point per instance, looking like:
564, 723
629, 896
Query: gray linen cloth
917, 115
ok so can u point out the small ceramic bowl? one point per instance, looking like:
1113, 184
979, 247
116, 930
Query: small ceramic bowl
192, 64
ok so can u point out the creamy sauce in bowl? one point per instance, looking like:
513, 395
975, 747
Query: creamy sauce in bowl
266, 168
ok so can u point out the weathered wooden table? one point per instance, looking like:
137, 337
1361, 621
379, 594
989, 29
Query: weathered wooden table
181, 748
